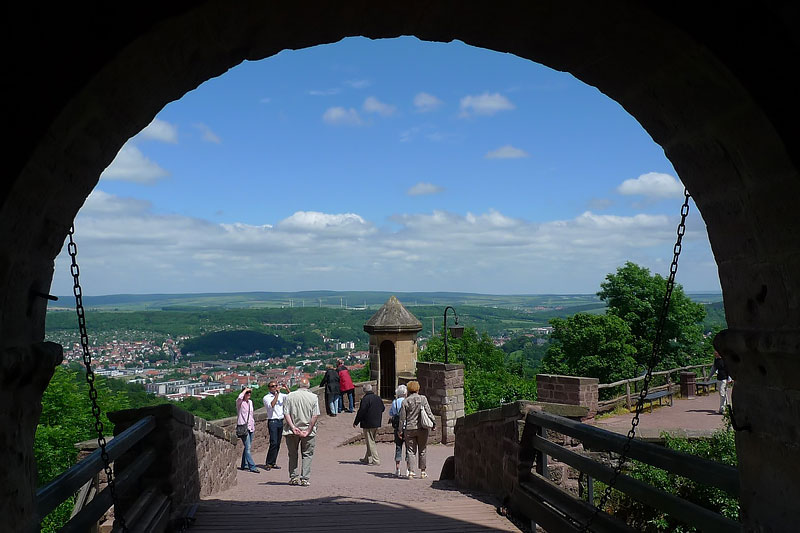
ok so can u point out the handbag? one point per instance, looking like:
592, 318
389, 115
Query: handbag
241, 430
425, 421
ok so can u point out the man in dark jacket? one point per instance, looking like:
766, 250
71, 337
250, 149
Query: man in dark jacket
370, 413
331, 383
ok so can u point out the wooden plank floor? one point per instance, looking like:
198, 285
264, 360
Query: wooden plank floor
346, 495
468, 515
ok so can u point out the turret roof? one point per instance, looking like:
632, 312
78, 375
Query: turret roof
393, 317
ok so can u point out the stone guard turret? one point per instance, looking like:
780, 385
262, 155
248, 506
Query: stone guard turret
392, 345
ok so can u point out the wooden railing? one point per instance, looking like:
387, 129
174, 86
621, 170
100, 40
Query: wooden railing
557, 510
629, 398
71, 481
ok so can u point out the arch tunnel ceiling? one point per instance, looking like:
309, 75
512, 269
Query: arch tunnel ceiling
85, 79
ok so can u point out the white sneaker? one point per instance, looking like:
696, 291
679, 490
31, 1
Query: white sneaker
397, 473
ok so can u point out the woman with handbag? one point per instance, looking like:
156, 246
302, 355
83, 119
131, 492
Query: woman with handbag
245, 427
416, 419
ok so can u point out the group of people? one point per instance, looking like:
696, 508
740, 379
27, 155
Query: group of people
293, 416
338, 384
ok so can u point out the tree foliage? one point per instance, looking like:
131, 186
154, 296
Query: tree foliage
488, 380
636, 296
65, 420
236, 343
720, 447
598, 346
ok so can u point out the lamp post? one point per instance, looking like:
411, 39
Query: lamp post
456, 330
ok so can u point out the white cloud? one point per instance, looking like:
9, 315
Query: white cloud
342, 116
126, 247
423, 189
373, 105
506, 152
132, 165
485, 104
159, 130
425, 102
208, 134
358, 84
653, 186
313, 221
324, 92
101, 203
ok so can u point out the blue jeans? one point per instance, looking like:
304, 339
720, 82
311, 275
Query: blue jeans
351, 397
334, 403
247, 459
275, 427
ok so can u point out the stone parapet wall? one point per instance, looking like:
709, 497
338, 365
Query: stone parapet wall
492, 449
487, 447
443, 385
568, 390
217, 457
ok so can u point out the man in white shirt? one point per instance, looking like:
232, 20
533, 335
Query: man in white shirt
273, 401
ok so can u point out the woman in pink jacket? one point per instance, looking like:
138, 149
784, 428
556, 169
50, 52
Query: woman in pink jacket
245, 417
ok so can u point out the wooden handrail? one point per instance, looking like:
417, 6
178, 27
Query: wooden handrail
101, 503
68, 483
640, 378
697, 469
700, 470
686, 511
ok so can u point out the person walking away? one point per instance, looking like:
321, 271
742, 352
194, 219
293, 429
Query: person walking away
415, 434
369, 415
331, 383
273, 402
244, 410
394, 417
300, 414
346, 387
723, 378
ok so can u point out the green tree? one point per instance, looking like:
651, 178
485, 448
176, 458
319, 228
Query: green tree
597, 346
636, 296
65, 420
720, 447
488, 380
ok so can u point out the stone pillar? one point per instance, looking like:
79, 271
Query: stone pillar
688, 384
25, 372
443, 384
569, 390
765, 366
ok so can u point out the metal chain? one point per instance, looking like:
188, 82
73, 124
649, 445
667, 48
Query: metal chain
72, 249
654, 359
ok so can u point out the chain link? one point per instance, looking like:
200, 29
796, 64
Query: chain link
72, 249
653, 361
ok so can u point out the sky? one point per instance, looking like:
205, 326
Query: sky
396, 165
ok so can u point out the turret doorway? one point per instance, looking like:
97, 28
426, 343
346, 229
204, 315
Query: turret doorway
387, 370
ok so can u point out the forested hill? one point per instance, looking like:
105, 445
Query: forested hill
236, 343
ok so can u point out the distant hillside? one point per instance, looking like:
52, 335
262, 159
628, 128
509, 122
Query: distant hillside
236, 343
330, 299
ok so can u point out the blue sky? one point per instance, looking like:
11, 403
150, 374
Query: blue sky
385, 165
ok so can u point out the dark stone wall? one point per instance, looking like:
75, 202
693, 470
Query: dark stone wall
713, 84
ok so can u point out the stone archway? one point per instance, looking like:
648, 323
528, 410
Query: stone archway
706, 83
